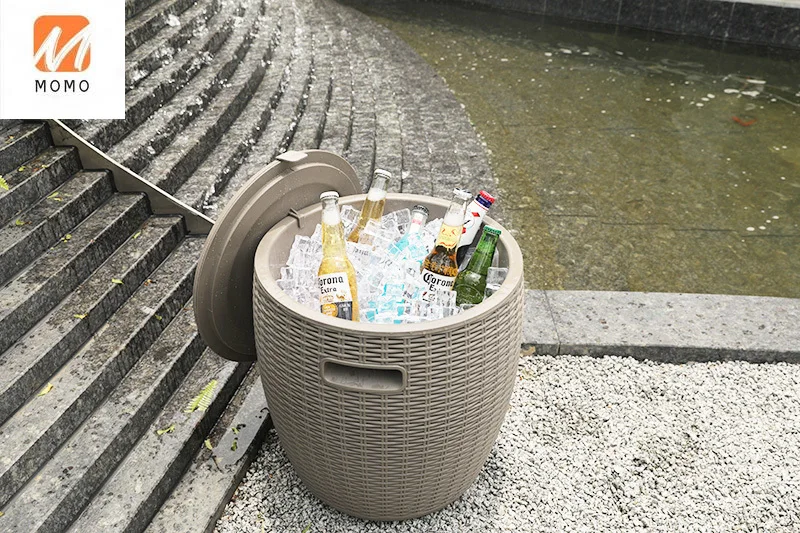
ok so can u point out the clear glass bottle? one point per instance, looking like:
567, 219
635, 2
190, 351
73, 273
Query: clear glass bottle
440, 267
476, 210
374, 204
336, 276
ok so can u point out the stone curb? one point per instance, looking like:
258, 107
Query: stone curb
664, 327
760, 22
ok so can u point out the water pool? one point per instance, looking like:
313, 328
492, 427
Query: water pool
627, 160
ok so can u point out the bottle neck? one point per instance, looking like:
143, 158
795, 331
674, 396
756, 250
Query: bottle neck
417, 221
377, 190
450, 233
484, 253
332, 229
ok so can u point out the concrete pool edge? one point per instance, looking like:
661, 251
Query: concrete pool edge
666, 327
759, 22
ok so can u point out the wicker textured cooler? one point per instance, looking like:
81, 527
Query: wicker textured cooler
384, 422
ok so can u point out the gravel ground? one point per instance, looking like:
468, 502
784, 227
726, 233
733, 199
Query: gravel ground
609, 444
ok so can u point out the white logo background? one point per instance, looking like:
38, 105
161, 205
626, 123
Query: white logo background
105, 98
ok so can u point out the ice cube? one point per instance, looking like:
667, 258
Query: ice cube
395, 290
349, 215
496, 276
491, 288
360, 254
445, 298
403, 217
382, 243
450, 311
389, 221
317, 235
435, 312
368, 234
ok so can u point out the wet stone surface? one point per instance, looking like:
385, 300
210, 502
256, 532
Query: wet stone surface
627, 161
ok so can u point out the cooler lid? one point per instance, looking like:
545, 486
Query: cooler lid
223, 285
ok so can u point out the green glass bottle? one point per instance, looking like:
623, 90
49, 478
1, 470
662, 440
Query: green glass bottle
471, 282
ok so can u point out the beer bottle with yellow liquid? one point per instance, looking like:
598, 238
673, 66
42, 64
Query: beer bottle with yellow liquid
440, 268
374, 204
338, 296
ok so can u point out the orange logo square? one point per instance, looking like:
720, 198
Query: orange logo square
61, 43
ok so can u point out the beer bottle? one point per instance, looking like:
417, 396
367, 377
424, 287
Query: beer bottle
338, 294
472, 222
419, 216
471, 282
440, 268
374, 204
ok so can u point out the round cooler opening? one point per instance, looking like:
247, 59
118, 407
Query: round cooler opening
385, 421
273, 252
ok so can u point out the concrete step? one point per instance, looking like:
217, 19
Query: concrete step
133, 7
149, 22
157, 462
338, 127
161, 49
236, 145
200, 496
30, 437
36, 178
436, 158
21, 142
65, 485
317, 98
26, 366
280, 130
8, 123
137, 150
362, 144
176, 163
155, 90
49, 220
57, 272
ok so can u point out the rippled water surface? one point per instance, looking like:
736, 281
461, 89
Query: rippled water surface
627, 161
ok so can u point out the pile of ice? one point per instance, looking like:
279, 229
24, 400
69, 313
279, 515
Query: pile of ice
387, 262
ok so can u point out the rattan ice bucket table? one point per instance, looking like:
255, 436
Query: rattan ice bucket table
383, 422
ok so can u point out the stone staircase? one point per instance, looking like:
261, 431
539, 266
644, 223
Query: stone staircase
99, 354
215, 90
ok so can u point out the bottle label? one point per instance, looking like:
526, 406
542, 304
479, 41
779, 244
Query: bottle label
472, 222
334, 295
449, 236
436, 282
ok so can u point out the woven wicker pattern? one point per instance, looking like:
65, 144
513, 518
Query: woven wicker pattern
389, 457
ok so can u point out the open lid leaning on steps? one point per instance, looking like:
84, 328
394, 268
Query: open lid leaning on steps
223, 285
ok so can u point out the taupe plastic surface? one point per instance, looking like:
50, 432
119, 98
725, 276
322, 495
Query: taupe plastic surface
223, 297
385, 422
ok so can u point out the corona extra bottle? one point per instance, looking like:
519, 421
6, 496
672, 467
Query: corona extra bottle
338, 295
440, 268
374, 204
470, 284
